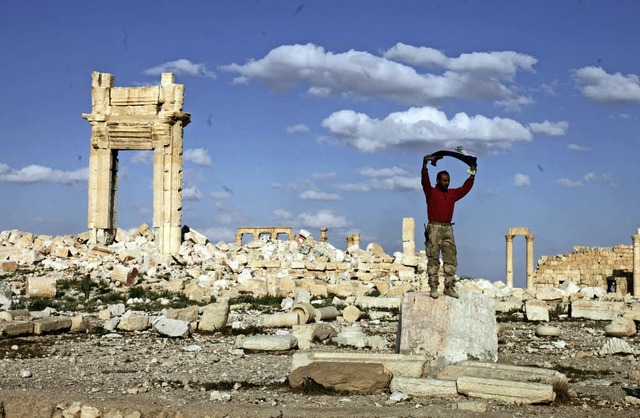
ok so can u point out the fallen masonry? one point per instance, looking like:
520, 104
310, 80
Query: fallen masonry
329, 314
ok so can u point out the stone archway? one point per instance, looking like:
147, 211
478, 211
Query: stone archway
136, 118
509, 267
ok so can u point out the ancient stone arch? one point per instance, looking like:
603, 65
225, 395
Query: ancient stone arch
136, 118
256, 231
509, 238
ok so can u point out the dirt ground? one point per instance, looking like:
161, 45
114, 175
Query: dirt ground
205, 375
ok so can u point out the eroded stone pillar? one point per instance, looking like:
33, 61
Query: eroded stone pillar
529, 261
636, 264
408, 237
509, 260
323, 235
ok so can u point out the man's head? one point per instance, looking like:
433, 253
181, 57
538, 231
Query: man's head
442, 181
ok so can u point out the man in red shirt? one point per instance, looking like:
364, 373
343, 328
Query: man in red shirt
439, 234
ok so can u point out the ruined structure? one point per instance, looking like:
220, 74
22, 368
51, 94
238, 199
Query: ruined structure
509, 256
256, 231
136, 118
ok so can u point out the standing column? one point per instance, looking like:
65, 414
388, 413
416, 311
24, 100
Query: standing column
529, 261
408, 242
509, 258
636, 265
323, 235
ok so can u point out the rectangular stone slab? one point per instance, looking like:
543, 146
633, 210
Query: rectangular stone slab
507, 391
598, 310
416, 386
501, 371
396, 364
16, 328
47, 325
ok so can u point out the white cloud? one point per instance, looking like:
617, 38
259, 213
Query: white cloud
40, 174
282, 215
382, 172
417, 127
601, 178
181, 67
191, 193
323, 218
521, 180
299, 128
578, 148
199, 156
324, 176
225, 194
565, 182
550, 128
142, 157
515, 102
315, 195
395, 183
362, 74
598, 85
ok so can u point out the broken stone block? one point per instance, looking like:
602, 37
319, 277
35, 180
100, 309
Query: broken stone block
547, 331
133, 321
98, 250
305, 311
189, 314
15, 315
172, 327
49, 325
449, 330
615, 346
40, 287
503, 372
268, 342
214, 316
8, 266
16, 328
352, 336
595, 309
621, 327
426, 387
370, 302
536, 310
361, 378
395, 364
193, 291
125, 275
351, 313
326, 313
511, 392
78, 324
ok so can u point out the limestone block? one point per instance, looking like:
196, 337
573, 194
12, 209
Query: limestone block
99, 251
78, 324
15, 315
280, 320
547, 331
49, 325
214, 316
193, 291
621, 327
449, 330
615, 346
189, 314
511, 392
360, 378
426, 387
133, 321
125, 275
305, 311
506, 306
326, 313
40, 287
16, 328
598, 310
536, 310
395, 364
268, 342
501, 371
549, 295
382, 286
172, 327
351, 313
8, 266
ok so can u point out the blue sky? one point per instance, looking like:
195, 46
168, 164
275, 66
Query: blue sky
316, 114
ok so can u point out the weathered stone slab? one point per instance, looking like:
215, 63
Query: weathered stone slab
16, 328
521, 393
214, 316
395, 364
361, 378
15, 315
370, 302
595, 309
537, 310
40, 287
133, 321
8, 266
621, 327
416, 386
172, 327
49, 325
189, 314
268, 342
449, 330
501, 371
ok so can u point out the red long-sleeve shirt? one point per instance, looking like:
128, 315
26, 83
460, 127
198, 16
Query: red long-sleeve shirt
440, 204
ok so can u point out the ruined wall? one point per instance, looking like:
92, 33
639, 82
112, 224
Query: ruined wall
586, 266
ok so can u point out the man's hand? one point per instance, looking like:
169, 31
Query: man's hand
472, 170
426, 159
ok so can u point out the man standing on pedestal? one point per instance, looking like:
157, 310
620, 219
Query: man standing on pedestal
439, 233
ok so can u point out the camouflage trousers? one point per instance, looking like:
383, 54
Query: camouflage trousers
439, 238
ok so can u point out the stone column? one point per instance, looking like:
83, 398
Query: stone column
356, 239
239, 239
636, 264
323, 235
509, 258
408, 237
529, 261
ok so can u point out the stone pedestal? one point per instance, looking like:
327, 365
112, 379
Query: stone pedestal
448, 330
